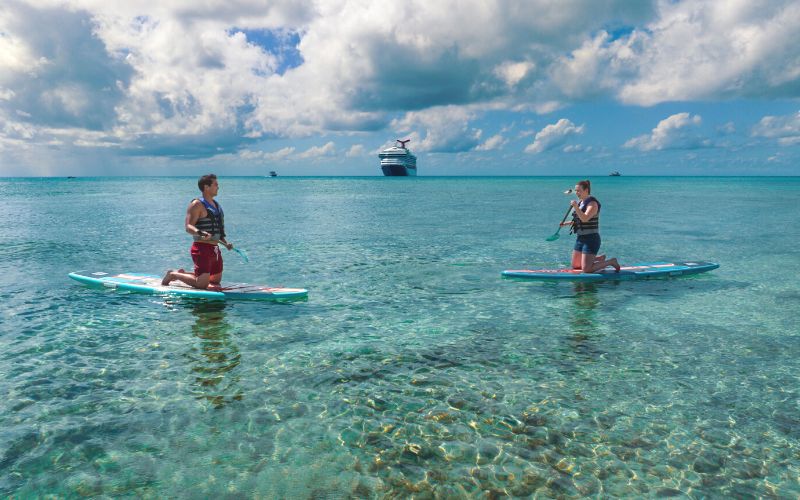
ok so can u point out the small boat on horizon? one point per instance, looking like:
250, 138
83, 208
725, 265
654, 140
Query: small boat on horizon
273, 173
615, 173
398, 160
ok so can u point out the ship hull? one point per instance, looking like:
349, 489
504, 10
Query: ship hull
398, 171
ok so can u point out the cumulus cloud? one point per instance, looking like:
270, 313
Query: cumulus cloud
553, 135
56, 71
196, 78
727, 129
786, 129
446, 130
513, 72
155, 74
281, 154
494, 142
355, 150
688, 51
678, 131
712, 50
329, 149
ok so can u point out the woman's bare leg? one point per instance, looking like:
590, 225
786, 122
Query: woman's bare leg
587, 262
600, 265
576, 259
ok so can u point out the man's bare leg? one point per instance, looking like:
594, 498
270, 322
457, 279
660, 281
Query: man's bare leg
190, 279
214, 281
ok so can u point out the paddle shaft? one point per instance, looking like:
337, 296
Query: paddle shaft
554, 237
565, 216
241, 253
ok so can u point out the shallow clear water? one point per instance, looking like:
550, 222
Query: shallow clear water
412, 368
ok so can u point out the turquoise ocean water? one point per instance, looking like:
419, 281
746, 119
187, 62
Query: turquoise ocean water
413, 368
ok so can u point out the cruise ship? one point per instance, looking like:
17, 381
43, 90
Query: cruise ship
398, 160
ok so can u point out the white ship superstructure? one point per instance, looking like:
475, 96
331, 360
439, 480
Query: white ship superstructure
398, 160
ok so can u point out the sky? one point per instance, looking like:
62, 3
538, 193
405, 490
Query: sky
319, 87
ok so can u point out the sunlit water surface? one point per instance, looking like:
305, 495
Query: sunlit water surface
413, 368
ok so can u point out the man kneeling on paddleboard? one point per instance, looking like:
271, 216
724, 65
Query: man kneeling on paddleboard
206, 223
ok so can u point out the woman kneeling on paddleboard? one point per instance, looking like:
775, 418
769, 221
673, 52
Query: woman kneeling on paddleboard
586, 226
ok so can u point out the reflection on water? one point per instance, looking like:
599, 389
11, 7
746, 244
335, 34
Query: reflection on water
583, 320
216, 356
583, 314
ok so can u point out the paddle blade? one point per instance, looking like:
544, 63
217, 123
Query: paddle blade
555, 235
242, 253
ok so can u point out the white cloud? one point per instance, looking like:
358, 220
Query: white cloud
727, 129
95, 144
248, 154
786, 129
16, 56
356, 150
17, 130
513, 72
698, 50
279, 155
329, 149
595, 68
181, 77
185, 70
446, 129
678, 131
69, 98
494, 142
713, 50
789, 141
553, 136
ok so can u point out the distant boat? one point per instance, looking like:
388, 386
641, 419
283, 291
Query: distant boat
273, 173
70, 177
398, 160
615, 173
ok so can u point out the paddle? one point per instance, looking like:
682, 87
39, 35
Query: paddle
242, 253
555, 236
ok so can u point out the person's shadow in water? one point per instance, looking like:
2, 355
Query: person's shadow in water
215, 358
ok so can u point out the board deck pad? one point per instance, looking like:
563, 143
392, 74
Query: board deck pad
635, 272
151, 283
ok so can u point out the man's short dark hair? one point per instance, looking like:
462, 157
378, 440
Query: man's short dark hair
206, 180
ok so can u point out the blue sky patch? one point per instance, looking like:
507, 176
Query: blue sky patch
620, 32
280, 43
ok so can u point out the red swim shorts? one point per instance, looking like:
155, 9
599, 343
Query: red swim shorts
207, 259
